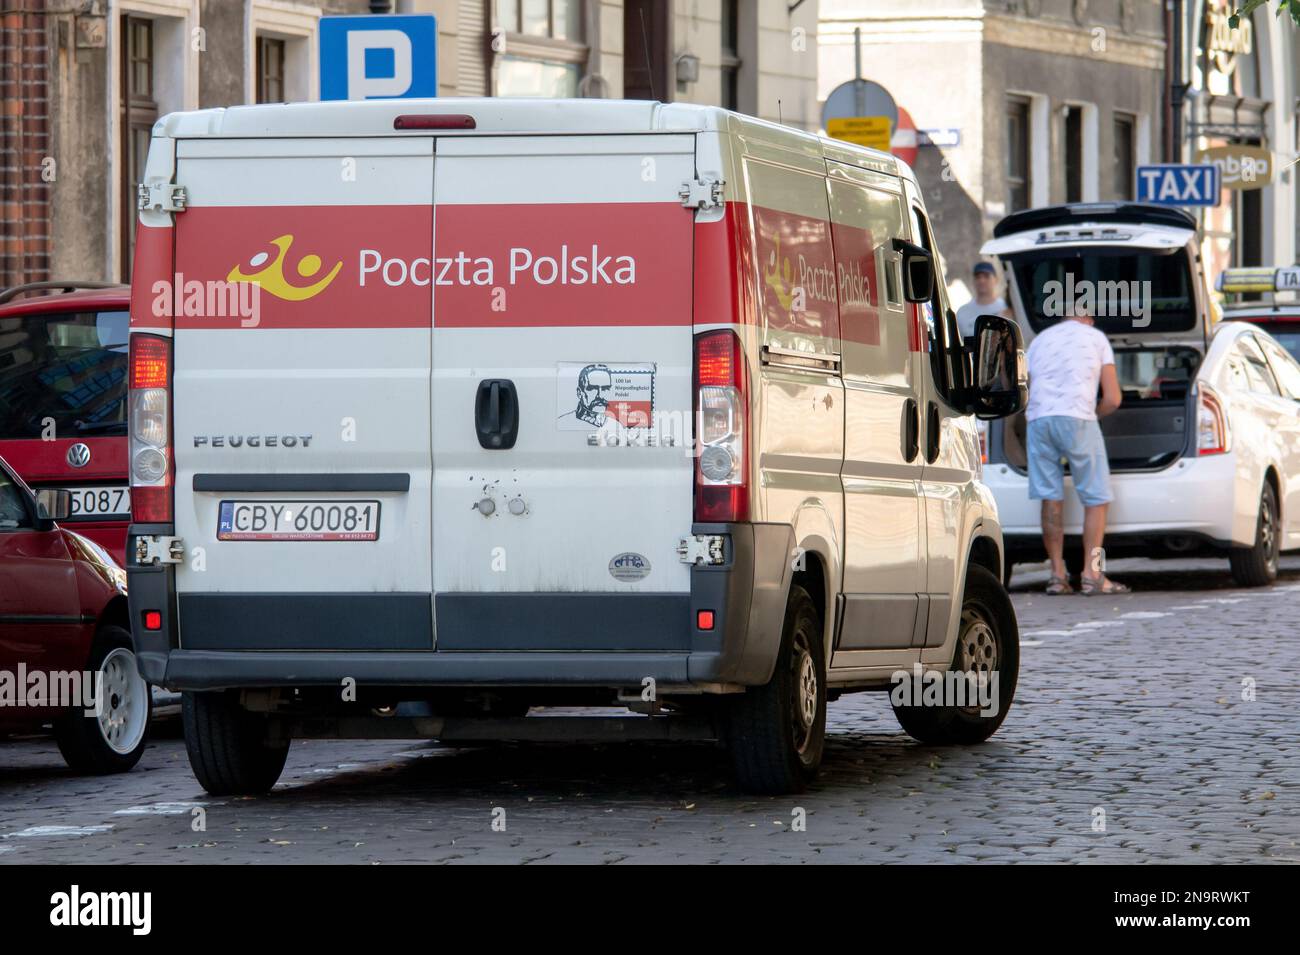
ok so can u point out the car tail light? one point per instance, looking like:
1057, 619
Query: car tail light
1212, 434
149, 426
721, 466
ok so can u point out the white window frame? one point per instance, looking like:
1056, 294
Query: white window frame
298, 24
176, 83
1089, 144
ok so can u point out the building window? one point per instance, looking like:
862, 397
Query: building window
1073, 154
1123, 138
543, 51
270, 70
646, 50
1018, 180
139, 111
731, 54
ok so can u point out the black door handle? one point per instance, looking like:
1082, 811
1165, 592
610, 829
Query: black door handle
911, 429
496, 414
931, 433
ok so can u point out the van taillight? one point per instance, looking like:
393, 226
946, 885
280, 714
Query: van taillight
721, 465
1211, 424
149, 426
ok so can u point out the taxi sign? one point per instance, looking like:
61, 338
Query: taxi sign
1173, 184
870, 131
1266, 279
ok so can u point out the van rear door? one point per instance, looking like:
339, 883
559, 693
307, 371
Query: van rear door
562, 362
301, 411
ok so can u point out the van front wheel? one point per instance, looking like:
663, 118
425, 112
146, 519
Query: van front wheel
227, 745
987, 662
776, 732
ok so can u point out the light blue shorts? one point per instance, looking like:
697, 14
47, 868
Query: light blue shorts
1078, 441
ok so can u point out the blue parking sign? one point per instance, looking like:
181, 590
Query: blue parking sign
1173, 184
379, 57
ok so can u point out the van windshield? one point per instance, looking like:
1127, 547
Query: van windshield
1127, 292
63, 375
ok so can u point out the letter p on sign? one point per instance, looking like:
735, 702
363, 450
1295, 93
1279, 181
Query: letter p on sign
378, 57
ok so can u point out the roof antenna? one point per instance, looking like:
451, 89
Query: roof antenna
778, 111
645, 45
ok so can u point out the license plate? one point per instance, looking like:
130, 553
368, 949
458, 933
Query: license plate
105, 501
298, 521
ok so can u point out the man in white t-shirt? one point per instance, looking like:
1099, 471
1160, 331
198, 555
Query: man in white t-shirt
1067, 362
985, 302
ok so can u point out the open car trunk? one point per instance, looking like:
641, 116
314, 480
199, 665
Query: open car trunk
1153, 427
1138, 281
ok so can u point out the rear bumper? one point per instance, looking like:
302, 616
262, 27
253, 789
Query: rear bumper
1200, 498
211, 641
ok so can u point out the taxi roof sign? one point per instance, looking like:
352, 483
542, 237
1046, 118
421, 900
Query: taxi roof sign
1255, 279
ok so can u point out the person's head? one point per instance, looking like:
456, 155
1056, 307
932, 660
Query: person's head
986, 282
594, 384
1082, 311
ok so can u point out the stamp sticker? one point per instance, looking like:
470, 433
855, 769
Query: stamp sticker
592, 394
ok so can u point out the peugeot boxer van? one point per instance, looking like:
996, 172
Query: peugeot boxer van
445, 410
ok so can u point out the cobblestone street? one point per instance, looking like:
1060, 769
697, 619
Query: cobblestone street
1129, 712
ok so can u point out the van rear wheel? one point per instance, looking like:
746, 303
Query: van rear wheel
777, 732
1257, 566
227, 745
988, 642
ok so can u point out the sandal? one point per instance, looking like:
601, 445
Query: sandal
1102, 585
1059, 586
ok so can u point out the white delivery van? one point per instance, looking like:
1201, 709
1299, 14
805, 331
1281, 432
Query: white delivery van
442, 410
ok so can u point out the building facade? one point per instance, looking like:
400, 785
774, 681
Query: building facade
1047, 100
84, 80
1239, 88
1060, 100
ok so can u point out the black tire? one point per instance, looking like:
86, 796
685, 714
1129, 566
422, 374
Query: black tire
227, 745
1257, 566
988, 622
115, 741
777, 732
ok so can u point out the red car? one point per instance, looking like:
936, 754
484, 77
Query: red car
66, 655
63, 400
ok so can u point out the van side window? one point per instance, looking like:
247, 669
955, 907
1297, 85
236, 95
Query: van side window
873, 320
948, 363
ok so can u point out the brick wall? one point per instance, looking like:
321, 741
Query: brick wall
24, 144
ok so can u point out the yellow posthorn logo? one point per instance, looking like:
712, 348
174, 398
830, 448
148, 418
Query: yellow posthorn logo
271, 274
779, 278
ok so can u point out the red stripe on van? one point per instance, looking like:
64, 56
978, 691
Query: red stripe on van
495, 266
724, 251
151, 264
314, 267
563, 264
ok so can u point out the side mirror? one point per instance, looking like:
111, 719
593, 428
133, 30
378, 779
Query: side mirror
918, 272
1001, 380
53, 504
